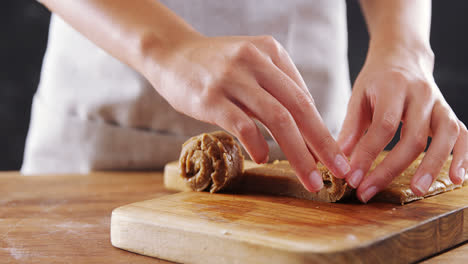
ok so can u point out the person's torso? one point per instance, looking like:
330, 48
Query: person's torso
83, 82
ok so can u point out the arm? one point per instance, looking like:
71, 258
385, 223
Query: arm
399, 25
227, 81
126, 29
396, 85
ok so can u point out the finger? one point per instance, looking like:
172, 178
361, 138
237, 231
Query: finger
460, 156
279, 56
385, 121
355, 124
414, 140
305, 115
281, 124
444, 125
234, 120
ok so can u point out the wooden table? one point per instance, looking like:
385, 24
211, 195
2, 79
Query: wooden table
66, 218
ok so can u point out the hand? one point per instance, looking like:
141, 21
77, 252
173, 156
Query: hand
229, 81
394, 86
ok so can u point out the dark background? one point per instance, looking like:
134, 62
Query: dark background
24, 25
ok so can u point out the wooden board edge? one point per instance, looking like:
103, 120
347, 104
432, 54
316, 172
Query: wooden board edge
190, 247
157, 241
437, 234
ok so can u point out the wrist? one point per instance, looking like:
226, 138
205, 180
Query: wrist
153, 48
397, 44
398, 48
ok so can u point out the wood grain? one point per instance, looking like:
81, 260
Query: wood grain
66, 218
458, 254
199, 227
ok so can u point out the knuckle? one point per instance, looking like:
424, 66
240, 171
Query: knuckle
368, 154
304, 100
419, 142
453, 127
246, 50
385, 132
303, 104
283, 118
268, 40
462, 127
387, 175
424, 88
273, 46
245, 129
434, 160
325, 142
463, 134
280, 116
389, 124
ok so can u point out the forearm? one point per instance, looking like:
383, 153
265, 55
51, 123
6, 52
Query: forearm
398, 24
128, 30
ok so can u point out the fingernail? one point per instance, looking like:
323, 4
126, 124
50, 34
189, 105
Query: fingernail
342, 164
461, 174
423, 184
368, 194
315, 179
355, 178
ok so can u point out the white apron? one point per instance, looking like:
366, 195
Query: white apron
92, 112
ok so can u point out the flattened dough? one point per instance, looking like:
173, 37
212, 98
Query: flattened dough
214, 162
399, 190
279, 178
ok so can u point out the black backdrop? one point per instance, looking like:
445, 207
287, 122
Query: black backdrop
24, 26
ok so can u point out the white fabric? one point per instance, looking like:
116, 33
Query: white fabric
92, 112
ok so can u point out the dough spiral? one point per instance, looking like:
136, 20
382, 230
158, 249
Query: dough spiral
211, 161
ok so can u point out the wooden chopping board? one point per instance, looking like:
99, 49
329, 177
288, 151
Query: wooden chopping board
193, 227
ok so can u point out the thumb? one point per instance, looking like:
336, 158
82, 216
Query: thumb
354, 126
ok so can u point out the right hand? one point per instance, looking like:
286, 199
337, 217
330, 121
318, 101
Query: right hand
229, 81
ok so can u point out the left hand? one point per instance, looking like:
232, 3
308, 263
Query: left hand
397, 86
